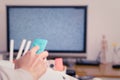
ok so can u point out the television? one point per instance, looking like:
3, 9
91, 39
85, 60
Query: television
65, 28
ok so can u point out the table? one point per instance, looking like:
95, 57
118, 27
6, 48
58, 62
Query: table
103, 70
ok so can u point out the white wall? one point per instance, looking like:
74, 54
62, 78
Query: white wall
103, 18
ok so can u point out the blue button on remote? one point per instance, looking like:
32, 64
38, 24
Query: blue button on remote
41, 43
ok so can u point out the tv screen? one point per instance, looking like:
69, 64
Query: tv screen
63, 26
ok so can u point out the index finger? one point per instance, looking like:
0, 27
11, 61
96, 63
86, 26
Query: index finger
34, 49
43, 54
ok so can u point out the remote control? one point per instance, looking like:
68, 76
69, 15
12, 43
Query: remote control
41, 43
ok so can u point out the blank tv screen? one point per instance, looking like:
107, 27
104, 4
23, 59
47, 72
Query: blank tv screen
63, 26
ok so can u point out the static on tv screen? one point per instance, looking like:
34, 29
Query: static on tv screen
63, 26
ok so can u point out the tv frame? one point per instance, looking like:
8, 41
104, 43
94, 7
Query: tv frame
53, 53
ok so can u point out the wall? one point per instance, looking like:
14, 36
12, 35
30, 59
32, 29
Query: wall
103, 18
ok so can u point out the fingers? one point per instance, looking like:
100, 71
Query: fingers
43, 55
34, 49
38, 57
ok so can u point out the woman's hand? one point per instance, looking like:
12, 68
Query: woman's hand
33, 63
